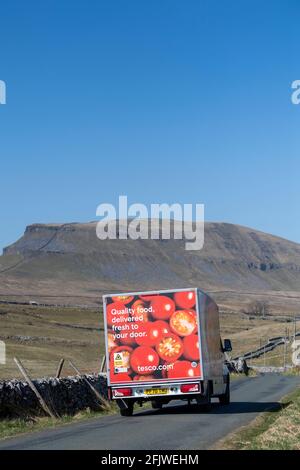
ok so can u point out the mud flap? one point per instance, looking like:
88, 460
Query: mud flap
122, 404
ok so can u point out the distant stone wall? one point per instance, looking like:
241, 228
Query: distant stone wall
67, 395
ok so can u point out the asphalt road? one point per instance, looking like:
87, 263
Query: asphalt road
177, 426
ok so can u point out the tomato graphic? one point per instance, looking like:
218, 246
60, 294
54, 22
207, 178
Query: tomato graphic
143, 377
124, 299
122, 349
113, 313
183, 369
122, 377
185, 299
183, 322
169, 348
140, 310
196, 320
163, 307
159, 329
128, 336
153, 332
148, 298
191, 347
146, 339
144, 360
111, 341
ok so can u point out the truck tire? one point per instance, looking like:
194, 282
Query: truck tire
156, 405
206, 405
127, 411
225, 398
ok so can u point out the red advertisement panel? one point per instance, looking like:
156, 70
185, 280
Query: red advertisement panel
153, 337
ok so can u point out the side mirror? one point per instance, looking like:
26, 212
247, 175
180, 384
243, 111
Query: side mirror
227, 345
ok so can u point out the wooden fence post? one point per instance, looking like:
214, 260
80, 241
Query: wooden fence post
103, 363
34, 389
101, 399
59, 369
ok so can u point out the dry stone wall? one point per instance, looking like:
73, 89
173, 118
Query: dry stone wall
66, 395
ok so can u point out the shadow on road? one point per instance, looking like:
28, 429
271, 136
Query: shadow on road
248, 407
233, 408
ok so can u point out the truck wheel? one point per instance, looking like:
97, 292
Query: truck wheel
156, 405
127, 411
225, 398
206, 404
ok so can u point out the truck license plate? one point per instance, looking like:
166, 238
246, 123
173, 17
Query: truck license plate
156, 391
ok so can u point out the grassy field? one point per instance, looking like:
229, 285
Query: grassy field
41, 336
271, 431
248, 334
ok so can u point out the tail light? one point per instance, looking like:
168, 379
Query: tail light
188, 388
122, 392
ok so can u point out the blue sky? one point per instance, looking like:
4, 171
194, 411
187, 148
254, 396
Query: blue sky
162, 100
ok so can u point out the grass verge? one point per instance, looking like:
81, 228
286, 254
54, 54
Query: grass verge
236, 375
14, 427
272, 431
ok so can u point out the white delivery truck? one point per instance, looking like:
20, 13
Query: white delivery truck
162, 346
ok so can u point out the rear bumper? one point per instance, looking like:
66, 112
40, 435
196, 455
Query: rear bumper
168, 391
